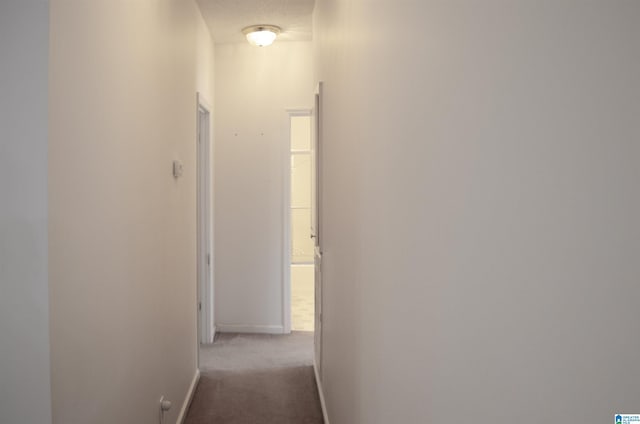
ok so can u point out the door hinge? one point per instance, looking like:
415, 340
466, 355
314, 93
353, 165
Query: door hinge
208, 258
199, 306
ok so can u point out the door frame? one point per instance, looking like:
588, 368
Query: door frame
286, 220
317, 116
204, 223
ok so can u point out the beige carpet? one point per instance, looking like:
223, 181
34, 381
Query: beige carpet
257, 379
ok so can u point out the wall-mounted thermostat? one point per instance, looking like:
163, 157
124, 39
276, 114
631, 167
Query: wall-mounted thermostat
177, 168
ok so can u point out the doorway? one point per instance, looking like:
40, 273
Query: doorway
300, 257
206, 327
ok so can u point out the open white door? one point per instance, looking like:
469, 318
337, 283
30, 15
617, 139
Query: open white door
316, 221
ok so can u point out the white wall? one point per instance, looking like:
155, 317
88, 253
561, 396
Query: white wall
254, 86
25, 395
482, 243
122, 234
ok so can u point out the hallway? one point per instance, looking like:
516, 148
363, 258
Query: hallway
257, 378
476, 183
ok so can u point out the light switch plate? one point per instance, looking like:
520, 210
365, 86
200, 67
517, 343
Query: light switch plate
177, 168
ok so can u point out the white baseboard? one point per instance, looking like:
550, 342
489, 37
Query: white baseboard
187, 399
323, 405
243, 328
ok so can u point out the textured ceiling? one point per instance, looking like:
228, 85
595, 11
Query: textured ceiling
227, 18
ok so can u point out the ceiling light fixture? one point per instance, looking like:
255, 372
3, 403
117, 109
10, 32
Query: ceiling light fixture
261, 35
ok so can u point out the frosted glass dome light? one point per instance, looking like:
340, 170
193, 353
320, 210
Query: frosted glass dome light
261, 35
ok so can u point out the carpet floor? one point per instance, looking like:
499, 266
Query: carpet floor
257, 379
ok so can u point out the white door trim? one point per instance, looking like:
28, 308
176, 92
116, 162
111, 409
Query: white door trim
204, 306
316, 206
286, 219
